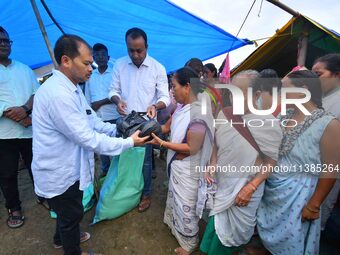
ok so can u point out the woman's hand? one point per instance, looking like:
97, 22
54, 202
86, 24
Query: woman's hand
310, 213
244, 195
156, 140
209, 175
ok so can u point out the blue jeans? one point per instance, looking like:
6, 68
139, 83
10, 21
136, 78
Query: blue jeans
105, 162
147, 170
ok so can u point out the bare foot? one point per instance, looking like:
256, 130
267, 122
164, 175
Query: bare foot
181, 251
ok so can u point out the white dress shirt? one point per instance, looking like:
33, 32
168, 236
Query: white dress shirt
17, 84
97, 88
139, 87
66, 131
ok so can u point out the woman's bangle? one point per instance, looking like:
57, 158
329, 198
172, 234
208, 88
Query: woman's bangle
313, 211
253, 186
160, 146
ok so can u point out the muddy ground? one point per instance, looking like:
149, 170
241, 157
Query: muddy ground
133, 233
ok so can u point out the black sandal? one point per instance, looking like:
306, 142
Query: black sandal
20, 219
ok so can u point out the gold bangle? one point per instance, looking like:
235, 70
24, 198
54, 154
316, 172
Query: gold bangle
253, 186
313, 211
160, 146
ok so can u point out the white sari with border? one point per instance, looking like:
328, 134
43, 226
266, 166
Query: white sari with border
235, 225
180, 212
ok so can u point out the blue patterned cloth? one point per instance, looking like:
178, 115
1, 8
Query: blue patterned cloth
286, 192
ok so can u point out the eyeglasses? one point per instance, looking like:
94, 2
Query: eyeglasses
6, 41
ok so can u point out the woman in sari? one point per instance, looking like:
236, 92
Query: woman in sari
239, 187
288, 219
328, 69
190, 146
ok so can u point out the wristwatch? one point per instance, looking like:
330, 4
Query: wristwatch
27, 110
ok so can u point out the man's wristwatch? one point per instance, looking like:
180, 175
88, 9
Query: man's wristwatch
27, 110
155, 106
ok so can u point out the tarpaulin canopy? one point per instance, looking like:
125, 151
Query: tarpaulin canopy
174, 36
281, 50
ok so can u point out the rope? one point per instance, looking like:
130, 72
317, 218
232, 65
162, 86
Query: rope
51, 16
258, 15
265, 38
244, 21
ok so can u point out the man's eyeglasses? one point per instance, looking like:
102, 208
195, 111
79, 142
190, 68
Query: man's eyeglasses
6, 41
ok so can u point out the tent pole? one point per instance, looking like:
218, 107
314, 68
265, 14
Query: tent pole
303, 46
43, 31
284, 7
303, 42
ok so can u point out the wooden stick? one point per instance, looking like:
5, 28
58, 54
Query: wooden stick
43, 31
284, 7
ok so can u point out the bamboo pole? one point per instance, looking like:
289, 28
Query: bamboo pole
43, 32
303, 46
284, 7
303, 41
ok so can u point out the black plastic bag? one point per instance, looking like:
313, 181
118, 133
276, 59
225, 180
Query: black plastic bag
129, 124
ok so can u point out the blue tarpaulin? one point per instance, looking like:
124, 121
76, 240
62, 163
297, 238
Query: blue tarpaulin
174, 36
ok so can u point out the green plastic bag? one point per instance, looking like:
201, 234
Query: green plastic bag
123, 185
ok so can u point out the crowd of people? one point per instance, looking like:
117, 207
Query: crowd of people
57, 127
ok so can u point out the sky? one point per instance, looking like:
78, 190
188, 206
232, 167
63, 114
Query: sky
262, 21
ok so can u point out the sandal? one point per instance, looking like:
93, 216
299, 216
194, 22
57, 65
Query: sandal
84, 236
15, 221
144, 204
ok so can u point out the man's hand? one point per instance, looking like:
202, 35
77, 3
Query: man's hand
151, 111
16, 113
121, 107
138, 141
26, 122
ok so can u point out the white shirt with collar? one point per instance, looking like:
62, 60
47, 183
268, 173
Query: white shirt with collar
17, 84
66, 131
97, 88
139, 87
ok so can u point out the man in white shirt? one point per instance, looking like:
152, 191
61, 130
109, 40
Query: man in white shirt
97, 89
140, 83
66, 131
17, 87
